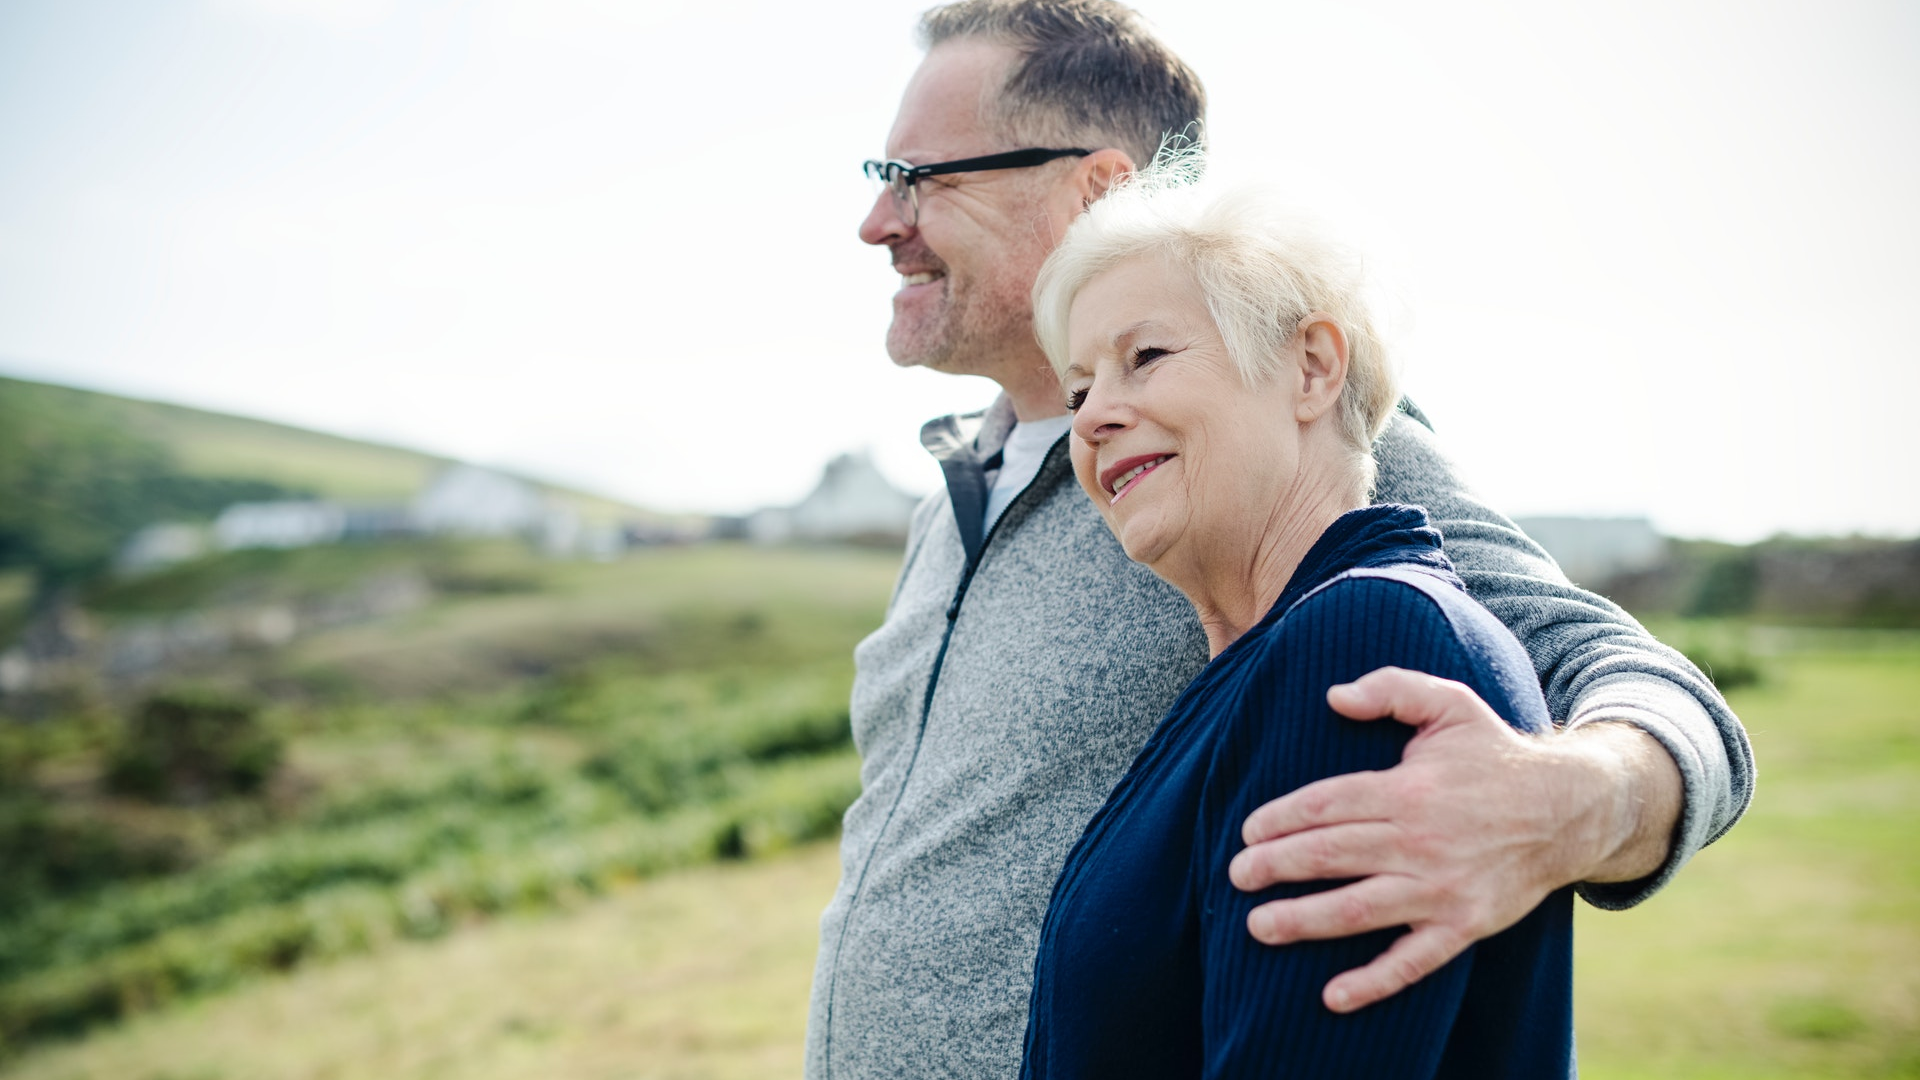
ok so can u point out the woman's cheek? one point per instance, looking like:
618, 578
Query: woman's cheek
1084, 470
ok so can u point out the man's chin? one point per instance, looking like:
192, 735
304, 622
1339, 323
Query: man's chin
911, 351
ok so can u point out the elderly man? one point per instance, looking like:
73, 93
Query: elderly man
1024, 659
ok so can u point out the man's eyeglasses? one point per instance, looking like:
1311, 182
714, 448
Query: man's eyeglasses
903, 179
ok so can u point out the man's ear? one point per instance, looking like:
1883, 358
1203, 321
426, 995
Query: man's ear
1321, 350
1100, 170
1092, 177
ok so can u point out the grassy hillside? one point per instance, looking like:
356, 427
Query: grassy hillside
219, 445
1788, 951
81, 472
216, 444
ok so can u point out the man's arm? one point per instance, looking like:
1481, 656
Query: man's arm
1461, 839
1596, 662
1650, 766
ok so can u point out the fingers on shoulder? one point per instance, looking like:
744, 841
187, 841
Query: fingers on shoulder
1331, 800
1414, 697
1412, 957
1375, 903
1352, 850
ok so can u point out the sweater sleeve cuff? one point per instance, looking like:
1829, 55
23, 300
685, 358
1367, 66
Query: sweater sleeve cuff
1671, 716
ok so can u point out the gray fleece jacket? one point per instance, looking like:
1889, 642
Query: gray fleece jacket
1018, 673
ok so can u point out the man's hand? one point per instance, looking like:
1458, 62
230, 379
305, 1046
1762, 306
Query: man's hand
1474, 827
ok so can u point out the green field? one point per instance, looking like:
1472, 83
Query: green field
1792, 947
537, 734
559, 824
700, 974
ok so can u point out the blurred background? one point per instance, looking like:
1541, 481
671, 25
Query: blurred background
447, 454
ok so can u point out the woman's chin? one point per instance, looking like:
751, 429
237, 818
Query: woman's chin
1145, 546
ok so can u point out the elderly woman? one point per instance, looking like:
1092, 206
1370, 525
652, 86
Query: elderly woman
1227, 381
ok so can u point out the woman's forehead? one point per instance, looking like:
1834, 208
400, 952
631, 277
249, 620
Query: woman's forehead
1130, 296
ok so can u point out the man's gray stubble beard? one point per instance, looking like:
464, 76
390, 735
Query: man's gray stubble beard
954, 345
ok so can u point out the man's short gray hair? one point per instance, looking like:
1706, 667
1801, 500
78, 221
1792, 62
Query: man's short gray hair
1089, 73
1261, 266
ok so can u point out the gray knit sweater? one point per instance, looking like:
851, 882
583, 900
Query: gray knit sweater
1018, 673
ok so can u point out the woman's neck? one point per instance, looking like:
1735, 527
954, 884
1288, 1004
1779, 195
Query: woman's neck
1233, 587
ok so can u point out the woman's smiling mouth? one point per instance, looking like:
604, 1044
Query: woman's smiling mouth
1123, 475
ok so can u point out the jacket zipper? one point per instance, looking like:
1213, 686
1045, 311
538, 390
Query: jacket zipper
920, 736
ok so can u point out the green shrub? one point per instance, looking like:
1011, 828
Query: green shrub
19, 755
50, 852
698, 761
191, 745
784, 803
1721, 652
275, 869
807, 733
1728, 585
1729, 670
671, 740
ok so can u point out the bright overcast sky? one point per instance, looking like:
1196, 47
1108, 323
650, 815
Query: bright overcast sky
1662, 258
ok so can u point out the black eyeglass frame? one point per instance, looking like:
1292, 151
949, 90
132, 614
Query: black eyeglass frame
902, 177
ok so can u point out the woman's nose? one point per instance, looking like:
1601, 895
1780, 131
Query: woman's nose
1102, 414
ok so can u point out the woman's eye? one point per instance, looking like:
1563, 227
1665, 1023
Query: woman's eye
1075, 399
1147, 354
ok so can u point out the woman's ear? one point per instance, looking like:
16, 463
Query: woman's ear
1322, 349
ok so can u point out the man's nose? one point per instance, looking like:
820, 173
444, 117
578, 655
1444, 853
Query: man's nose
884, 224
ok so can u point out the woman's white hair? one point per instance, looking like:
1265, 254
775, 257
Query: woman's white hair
1261, 265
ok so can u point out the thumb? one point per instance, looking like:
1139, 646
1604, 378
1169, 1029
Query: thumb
1412, 697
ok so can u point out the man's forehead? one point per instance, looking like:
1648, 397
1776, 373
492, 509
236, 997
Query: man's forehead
942, 111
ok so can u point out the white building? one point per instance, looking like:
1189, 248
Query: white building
1591, 550
289, 523
853, 501
467, 500
462, 500
161, 545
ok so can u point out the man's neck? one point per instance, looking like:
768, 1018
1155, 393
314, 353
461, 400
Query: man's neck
1034, 391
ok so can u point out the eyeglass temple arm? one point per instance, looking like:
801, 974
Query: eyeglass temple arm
1013, 159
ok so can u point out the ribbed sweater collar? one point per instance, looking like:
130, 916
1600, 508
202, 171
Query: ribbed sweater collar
1383, 535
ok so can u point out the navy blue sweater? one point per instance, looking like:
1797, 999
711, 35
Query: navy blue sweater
1145, 966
